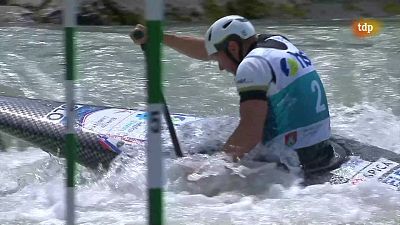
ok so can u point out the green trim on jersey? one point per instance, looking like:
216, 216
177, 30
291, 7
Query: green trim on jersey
254, 88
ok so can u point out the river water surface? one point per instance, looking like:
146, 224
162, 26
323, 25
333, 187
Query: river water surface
361, 78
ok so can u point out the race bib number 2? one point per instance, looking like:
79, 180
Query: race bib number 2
315, 87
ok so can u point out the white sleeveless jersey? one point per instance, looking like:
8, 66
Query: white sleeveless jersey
298, 114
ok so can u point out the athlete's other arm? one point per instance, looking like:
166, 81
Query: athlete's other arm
250, 129
190, 46
193, 47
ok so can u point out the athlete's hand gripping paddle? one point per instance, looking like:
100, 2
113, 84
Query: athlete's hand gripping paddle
138, 34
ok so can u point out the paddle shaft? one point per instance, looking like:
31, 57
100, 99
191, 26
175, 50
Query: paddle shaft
137, 34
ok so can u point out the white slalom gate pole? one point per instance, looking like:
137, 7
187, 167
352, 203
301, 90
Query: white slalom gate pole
70, 135
155, 175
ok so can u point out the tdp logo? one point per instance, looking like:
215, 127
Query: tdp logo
366, 27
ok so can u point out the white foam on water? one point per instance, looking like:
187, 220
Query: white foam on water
199, 189
202, 189
285, 203
368, 124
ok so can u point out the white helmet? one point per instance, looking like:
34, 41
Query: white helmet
222, 29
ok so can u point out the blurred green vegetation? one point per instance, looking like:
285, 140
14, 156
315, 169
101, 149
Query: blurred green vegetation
293, 10
251, 9
392, 7
213, 11
108, 12
118, 16
351, 6
176, 14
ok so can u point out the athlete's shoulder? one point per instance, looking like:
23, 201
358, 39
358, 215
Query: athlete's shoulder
275, 41
270, 46
253, 71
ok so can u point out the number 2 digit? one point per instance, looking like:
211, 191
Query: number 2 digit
315, 87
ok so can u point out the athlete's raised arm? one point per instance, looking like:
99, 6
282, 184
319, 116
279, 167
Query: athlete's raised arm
187, 45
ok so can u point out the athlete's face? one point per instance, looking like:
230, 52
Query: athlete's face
226, 63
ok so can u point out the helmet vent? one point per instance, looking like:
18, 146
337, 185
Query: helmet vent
209, 35
227, 24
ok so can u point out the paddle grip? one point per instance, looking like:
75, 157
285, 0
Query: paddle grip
137, 34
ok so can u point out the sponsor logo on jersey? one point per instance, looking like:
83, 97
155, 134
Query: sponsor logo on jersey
291, 138
289, 66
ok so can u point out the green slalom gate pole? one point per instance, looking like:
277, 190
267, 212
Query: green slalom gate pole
155, 176
178, 152
70, 136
